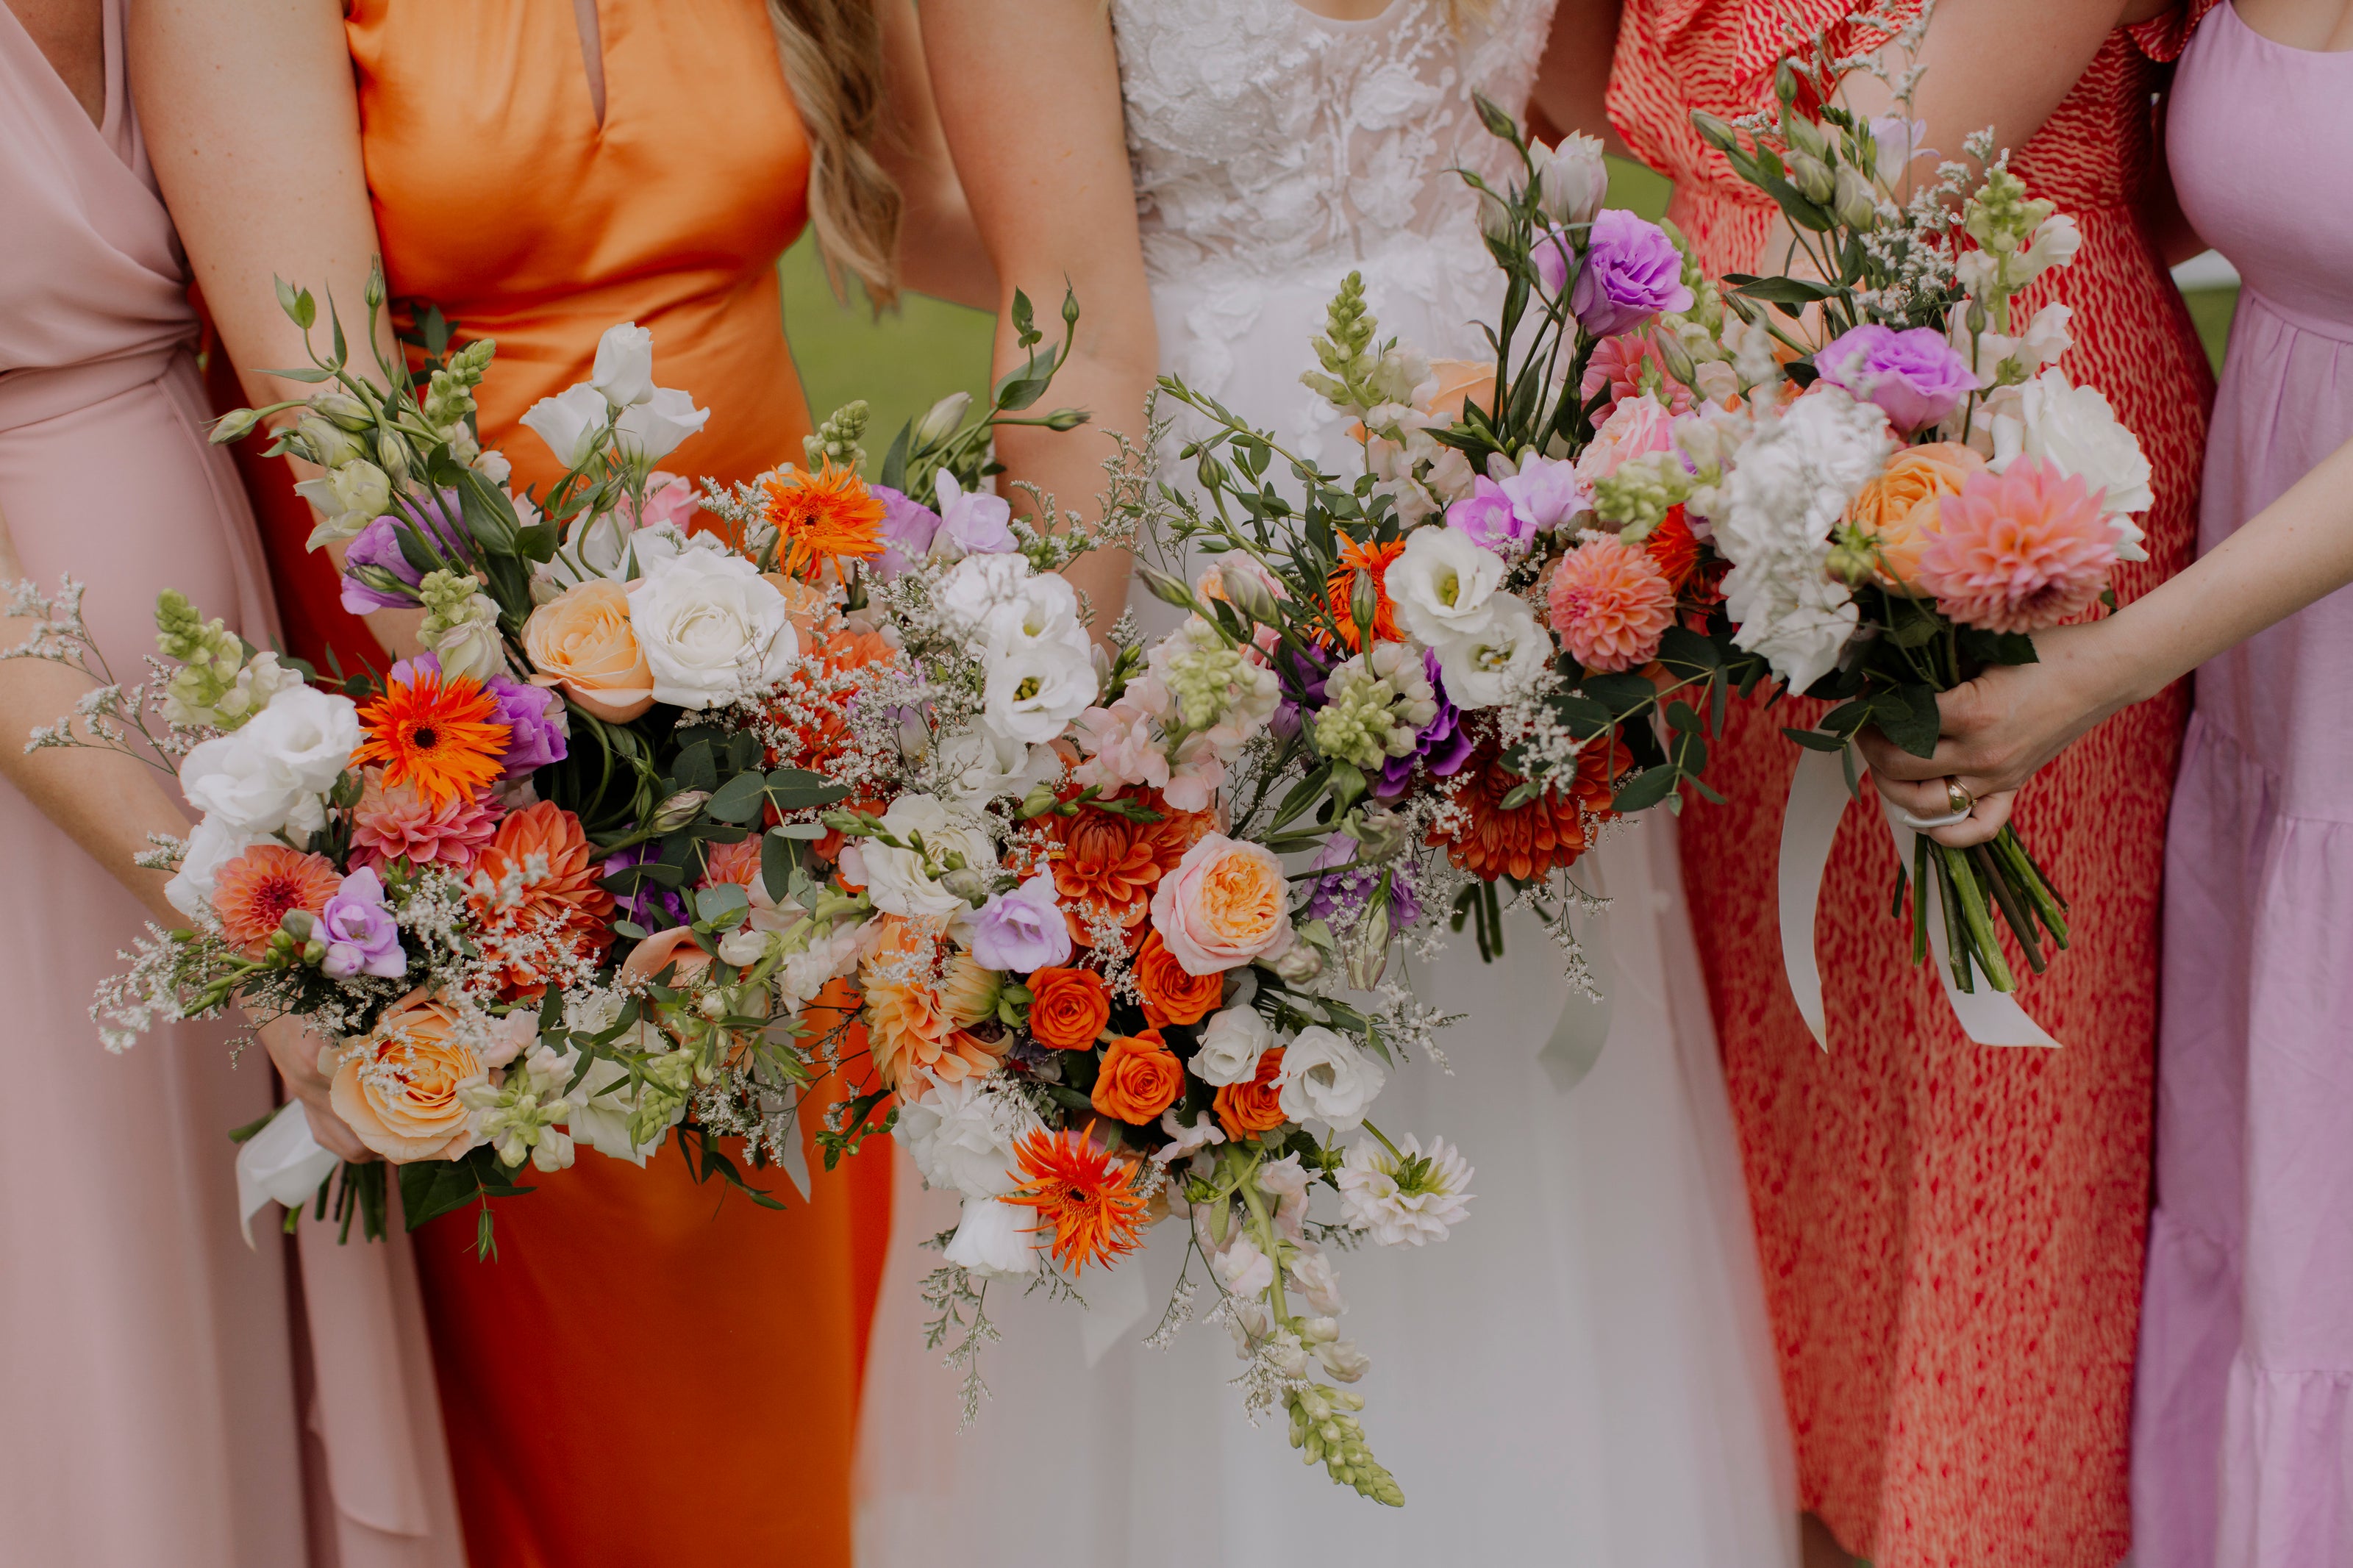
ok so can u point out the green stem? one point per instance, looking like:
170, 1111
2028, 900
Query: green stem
1980, 919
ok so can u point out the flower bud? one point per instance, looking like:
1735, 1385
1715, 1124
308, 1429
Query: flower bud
1676, 357
1851, 564
1574, 180
1246, 593
1067, 418
1853, 203
678, 810
1037, 802
346, 411
1364, 605
1494, 218
1811, 176
297, 924
372, 295
968, 884
234, 426
1297, 963
1803, 135
314, 952
1171, 590
1369, 955
1716, 133
1785, 83
393, 455
329, 446
941, 420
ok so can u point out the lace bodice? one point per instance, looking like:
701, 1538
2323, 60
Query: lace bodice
1272, 140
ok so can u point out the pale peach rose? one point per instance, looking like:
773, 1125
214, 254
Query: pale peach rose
658, 951
1638, 425
807, 605
1226, 904
582, 643
1460, 381
1899, 509
398, 1088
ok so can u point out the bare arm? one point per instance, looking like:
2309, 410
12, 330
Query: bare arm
1573, 78
1046, 169
254, 128
2001, 727
940, 248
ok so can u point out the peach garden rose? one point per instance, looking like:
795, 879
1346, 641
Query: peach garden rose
582, 642
398, 1088
1226, 904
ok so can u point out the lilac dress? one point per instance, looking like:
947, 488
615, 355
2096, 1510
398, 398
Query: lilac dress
2243, 1416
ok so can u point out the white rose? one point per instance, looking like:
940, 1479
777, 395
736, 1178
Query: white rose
962, 1135
899, 881
1324, 1076
1444, 585
993, 1240
975, 766
2075, 430
570, 423
1036, 686
1231, 1043
651, 430
213, 845
1505, 656
712, 628
625, 366
271, 773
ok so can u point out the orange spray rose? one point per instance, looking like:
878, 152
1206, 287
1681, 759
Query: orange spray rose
1248, 1109
1140, 1078
1067, 1007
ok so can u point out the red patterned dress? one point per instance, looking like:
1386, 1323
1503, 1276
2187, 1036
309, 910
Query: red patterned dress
1951, 1233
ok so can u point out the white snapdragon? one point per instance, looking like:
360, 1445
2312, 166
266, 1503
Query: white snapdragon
1325, 1077
712, 628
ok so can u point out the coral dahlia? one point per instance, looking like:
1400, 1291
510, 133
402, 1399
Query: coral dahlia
258, 889
1531, 839
2018, 551
1610, 603
538, 895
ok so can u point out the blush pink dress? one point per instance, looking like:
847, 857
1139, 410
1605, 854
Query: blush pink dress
2242, 1419
159, 1401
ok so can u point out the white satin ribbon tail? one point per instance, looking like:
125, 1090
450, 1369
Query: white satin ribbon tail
283, 1162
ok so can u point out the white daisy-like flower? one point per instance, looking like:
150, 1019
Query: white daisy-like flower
1407, 1197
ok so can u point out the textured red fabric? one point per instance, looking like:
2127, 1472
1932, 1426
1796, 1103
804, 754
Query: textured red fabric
1951, 1233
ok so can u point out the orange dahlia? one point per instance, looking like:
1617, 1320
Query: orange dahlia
438, 732
1340, 588
1108, 865
538, 898
822, 517
922, 1000
1084, 1195
258, 889
809, 706
1533, 840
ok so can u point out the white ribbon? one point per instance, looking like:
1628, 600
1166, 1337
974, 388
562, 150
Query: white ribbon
1113, 1308
283, 1162
1818, 799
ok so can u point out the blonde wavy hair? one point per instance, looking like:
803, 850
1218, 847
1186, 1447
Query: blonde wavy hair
832, 54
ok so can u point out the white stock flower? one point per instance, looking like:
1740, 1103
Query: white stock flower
993, 1240
1406, 1198
1240, 1267
2075, 430
962, 1134
211, 844
711, 628
652, 429
570, 423
1502, 659
625, 366
1444, 585
899, 881
271, 773
1231, 1043
1326, 1077
1789, 486
827, 957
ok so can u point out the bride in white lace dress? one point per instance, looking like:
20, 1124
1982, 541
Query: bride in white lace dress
1581, 1374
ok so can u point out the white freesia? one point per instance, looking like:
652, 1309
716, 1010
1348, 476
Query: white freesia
712, 628
570, 423
2075, 430
1407, 1197
271, 773
625, 366
993, 1240
651, 430
1034, 685
1325, 1077
900, 880
1504, 658
213, 844
1231, 1043
1444, 585
348, 498
1789, 486
962, 1134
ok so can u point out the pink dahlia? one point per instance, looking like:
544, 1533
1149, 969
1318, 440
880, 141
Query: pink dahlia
2018, 551
1610, 603
402, 823
1619, 364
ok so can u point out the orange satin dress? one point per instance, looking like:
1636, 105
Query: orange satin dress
651, 1372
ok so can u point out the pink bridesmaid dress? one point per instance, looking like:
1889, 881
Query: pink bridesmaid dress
153, 1408
2242, 1430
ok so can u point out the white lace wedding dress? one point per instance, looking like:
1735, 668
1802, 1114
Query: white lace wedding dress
1581, 1374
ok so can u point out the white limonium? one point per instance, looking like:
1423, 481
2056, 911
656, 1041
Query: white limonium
1444, 585
1403, 1196
904, 880
272, 773
1789, 486
1503, 660
712, 628
962, 1134
2075, 430
1325, 1077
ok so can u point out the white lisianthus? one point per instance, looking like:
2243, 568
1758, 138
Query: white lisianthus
2075, 430
625, 366
1789, 486
651, 430
271, 773
1502, 659
1325, 1077
712, 628
1572, 181
972, 522
348, 498
1034, 685
962, 1134
1407, 1197
1444, 585
976, 767
900, 880
570, 423
1231, 1043
993, 1240
211, 844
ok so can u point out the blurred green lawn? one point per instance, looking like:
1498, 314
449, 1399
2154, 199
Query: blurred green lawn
905, 361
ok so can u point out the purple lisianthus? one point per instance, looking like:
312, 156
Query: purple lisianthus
1443, 746
650, 905
908, 527
1915, 375
1487, 515
974, 521
1307, 671
1547, 493
1021, 931
1632, 272
378, 545
1339, 897
361, 935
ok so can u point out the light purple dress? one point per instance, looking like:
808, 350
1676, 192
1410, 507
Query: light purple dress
2243, 1416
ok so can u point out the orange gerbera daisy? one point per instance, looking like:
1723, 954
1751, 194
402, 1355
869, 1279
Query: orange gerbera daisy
1341, 587
438, 732
1539, 837
822, 517
254, 892
1084, 1195
538, 896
